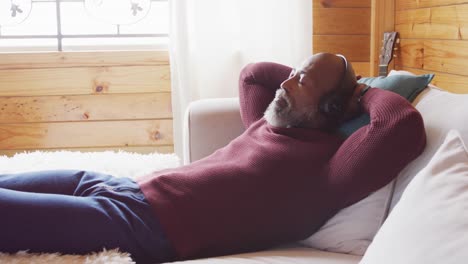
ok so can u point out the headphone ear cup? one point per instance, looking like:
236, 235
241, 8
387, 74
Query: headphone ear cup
335, 109
331, 107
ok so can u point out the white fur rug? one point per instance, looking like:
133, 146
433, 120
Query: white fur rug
119, 164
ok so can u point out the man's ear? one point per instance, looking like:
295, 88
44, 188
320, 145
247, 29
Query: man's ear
358, 77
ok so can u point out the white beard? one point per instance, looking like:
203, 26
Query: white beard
281, 113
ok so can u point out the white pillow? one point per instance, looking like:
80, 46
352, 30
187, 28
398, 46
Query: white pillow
441, 111
351, 230
430, 223
400, 72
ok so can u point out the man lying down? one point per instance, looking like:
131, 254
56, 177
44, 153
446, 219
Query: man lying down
278, 182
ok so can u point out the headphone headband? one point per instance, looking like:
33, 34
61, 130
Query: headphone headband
345, 61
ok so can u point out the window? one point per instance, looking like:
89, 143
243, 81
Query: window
68, 25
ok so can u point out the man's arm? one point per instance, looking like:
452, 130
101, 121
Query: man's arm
258, 83
375, 154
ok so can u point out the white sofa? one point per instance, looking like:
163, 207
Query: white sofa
212, 123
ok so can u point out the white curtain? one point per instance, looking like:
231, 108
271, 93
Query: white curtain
211, 40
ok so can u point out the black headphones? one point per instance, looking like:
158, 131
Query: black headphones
332, 105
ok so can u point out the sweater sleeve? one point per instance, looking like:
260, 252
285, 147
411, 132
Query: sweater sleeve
258, 83
375, 154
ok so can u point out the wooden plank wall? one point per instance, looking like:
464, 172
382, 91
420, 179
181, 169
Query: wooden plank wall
434, 38
382, 20
343, 26
85, 101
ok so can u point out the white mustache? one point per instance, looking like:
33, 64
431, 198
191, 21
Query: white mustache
281, 93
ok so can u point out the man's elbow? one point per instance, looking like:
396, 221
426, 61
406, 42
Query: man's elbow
413, 126
247, 74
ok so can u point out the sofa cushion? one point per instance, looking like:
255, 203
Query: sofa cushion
428, 225
408, 86
351, 230
441, 111
296, 255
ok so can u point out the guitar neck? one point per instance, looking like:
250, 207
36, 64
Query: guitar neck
383, 70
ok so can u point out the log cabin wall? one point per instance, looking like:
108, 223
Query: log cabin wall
344, 27
434, 39
85, 101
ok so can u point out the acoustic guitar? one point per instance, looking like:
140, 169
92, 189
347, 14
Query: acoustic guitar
386, 52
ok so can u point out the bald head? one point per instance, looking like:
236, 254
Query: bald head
328, 70
315, 95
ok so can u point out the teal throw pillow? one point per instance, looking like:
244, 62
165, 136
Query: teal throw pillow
408, 86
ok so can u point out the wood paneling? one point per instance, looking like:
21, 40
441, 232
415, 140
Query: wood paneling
86, 134
84, 80
446, 22
446, 56
410, 53
354, 47
87, 107
343, 3
85, 101
450, 82
361, 68
435, 55
382, 20
82, 59
343, 27
416, 16
434, 40
334, 21
410, 4
428, 31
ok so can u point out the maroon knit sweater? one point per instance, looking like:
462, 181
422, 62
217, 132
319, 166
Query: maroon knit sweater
274, 185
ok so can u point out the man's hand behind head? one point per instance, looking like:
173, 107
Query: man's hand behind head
354, 107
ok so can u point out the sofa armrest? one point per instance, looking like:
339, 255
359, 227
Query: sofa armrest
209, 125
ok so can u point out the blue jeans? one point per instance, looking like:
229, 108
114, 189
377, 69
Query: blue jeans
78, 212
